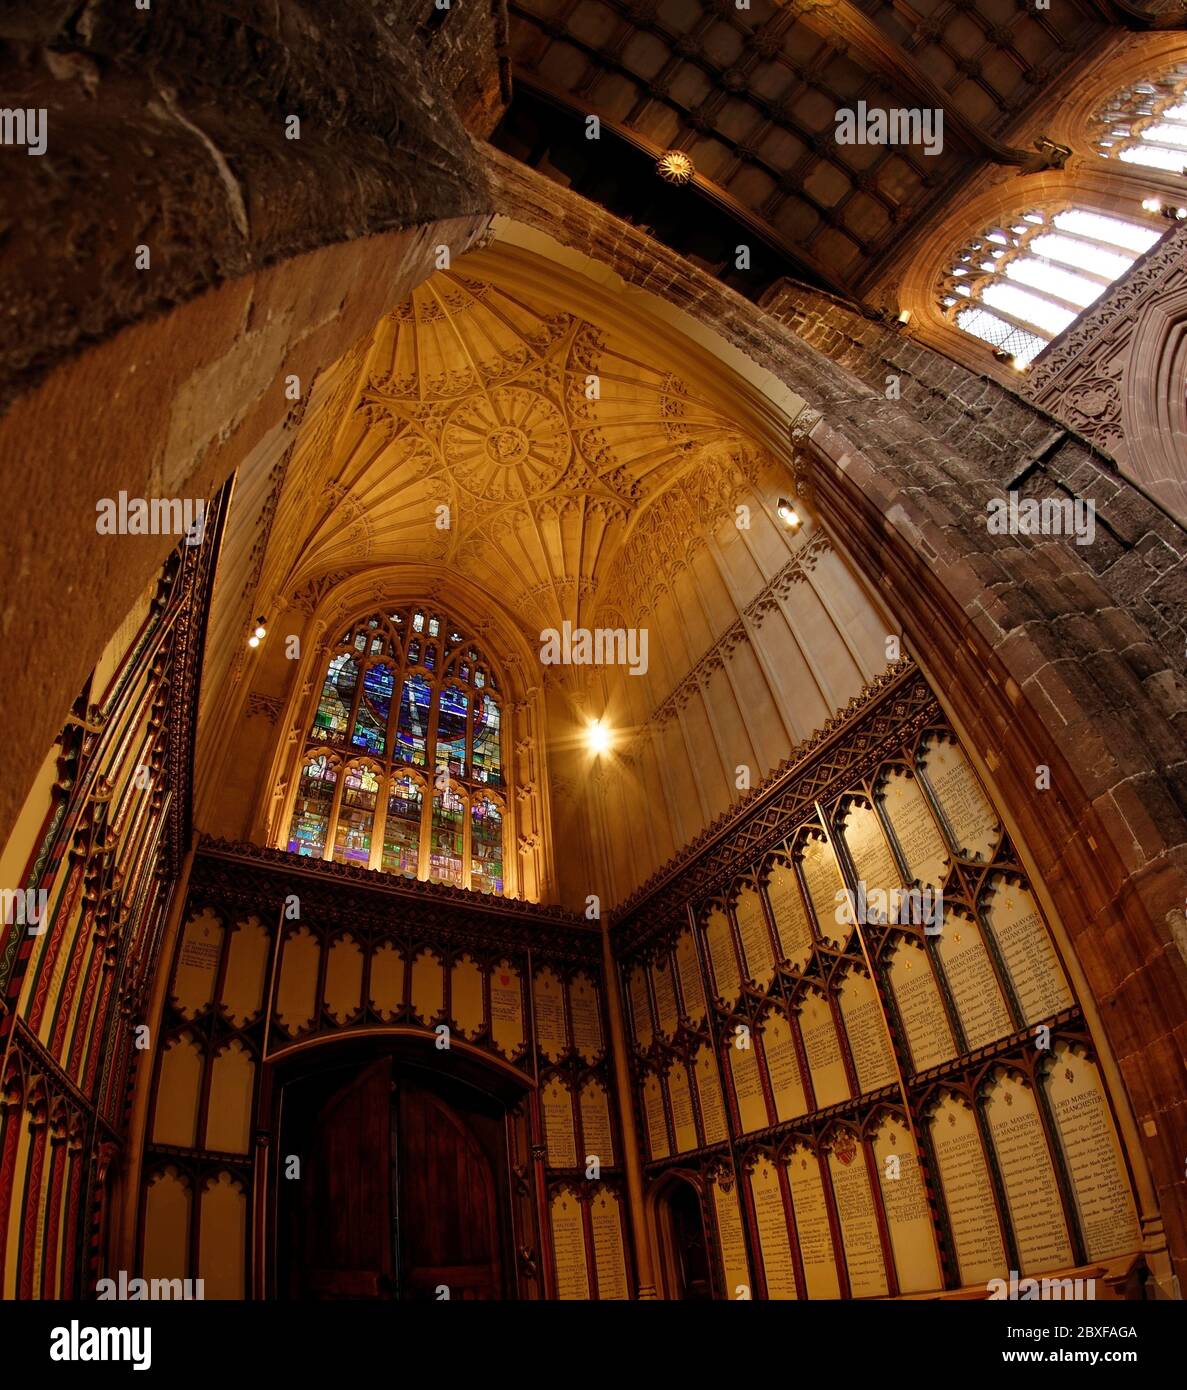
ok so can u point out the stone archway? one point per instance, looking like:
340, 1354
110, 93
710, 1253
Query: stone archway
188, 260
1044, 661
1040, 651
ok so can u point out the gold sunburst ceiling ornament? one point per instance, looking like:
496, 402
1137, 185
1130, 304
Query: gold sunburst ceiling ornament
675, 166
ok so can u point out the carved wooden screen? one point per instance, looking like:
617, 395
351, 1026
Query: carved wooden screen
114, 827
517, 985
873, 1103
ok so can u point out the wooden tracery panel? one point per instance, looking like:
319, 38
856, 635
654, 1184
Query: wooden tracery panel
517, 988
916, 1047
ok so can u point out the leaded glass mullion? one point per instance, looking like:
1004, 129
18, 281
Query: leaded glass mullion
1068, 269
1067, 304
1014, 322
1146, 142
1112, 248
467, 833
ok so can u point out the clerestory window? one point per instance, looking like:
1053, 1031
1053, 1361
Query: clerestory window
1019, 284
1147, 123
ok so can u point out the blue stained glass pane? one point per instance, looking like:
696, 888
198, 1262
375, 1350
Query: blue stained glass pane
487, 755
337, 696
370, 725
451, 729
378, 683
412, 731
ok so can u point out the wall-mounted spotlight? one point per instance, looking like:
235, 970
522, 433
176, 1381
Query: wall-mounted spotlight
1176, 214
1009, 359
259, 633
788, 514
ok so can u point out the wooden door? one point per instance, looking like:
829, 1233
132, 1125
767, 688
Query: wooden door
348, 1237
449, 1227
684, 1245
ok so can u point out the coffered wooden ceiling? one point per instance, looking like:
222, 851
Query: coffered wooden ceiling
751, 95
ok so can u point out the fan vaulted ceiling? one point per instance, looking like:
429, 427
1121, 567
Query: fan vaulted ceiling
518, 446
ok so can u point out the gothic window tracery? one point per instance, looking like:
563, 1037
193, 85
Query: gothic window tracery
402, 769
1147, 123
1019, 284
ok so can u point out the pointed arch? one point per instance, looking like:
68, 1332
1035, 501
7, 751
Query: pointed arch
407, 726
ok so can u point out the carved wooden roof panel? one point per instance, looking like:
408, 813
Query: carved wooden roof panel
752, 95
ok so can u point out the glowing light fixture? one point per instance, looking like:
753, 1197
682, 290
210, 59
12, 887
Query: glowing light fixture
597, 736
1176, 214
787, 513
675, 166
259, 633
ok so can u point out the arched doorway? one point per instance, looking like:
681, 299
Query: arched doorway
683, 1241
401, 1189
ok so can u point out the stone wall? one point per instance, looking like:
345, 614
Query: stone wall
268, 257
1139, 555
1118, 375
1045, 655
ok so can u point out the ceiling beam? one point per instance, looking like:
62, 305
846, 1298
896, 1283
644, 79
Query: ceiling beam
705, 186
841, 19
1130, 16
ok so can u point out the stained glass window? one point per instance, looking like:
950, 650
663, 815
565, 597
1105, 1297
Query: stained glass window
315, 801
408, 689
412, 735
401, 834
370, 725
486, 846
356, 815
337, 697
487, 759
1019, 285
446, 839
452, 713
